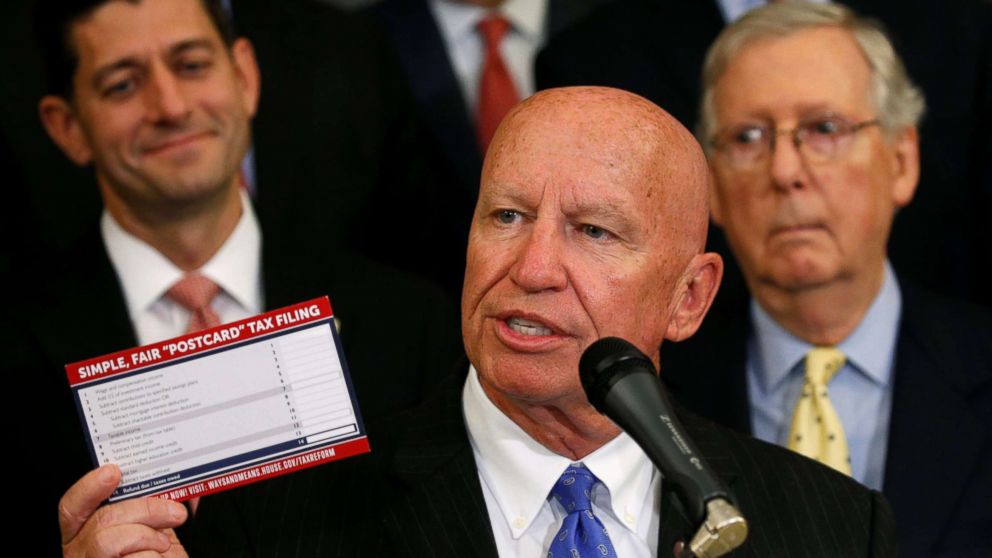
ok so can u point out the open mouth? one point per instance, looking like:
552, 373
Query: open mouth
528, 327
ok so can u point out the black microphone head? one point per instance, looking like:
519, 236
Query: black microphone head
605, 362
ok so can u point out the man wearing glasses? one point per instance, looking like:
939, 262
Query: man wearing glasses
809, 121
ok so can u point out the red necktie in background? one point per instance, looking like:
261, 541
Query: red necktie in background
497, 92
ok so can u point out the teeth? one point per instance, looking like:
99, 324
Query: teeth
525, 327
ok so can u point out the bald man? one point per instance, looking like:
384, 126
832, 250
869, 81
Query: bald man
591, 222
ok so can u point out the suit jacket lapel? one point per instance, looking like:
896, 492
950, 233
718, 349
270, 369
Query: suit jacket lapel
934, 433
439, 509
424, 57
89, 316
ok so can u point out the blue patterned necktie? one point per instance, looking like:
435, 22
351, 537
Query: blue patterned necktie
582, 534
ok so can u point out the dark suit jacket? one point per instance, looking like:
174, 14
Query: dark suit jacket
399, 336
449, 138
419, 494
336, 146
938, 473
656, 47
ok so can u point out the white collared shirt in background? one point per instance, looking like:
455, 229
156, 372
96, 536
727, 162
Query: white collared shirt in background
457, 24
146, 275
517, 475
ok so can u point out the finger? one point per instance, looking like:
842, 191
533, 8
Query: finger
152, 512
84, 497
123, 540
175, 551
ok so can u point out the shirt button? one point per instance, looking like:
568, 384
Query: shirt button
629, 519
519, 523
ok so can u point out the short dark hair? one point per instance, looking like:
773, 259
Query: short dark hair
54, 20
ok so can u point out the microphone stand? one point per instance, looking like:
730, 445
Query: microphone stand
723, 530
622, 383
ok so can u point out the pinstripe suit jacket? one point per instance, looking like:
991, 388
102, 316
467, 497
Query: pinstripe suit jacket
418, 494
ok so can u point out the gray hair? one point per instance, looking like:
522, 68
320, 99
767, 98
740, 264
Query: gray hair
898, 102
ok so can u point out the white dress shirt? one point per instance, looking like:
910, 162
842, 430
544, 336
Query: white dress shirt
517, 475
861, 392
457, 24
146, 275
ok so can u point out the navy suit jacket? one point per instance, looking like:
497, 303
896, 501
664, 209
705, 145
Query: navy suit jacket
418, 494
450, 143
938, 472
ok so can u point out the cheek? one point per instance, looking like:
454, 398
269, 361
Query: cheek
857, 203
622, 300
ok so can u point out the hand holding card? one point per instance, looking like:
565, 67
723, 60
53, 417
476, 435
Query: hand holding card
221, 407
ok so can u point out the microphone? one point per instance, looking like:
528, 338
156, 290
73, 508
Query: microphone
621, 382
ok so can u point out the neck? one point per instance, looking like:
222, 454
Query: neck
187, 234
571, 427
825, 314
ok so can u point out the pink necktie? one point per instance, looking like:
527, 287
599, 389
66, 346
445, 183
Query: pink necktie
497, 92
195, 292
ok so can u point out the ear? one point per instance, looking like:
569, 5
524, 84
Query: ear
716, 210
700, 284
905, 153
248, 74
62, 125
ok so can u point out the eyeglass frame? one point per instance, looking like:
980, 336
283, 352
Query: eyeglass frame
797, 139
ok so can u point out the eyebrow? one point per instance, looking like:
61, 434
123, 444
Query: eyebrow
135, 62
501, 197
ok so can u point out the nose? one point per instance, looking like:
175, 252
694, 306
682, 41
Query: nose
539, 265
165, 97
788, 168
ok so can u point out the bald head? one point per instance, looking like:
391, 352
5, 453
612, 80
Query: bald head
590, 223
640, 141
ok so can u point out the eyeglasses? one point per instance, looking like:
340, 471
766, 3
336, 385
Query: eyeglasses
819, 139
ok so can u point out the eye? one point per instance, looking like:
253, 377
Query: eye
507, 216
592, 231
120, 88
827, 126
194, 66
748, 135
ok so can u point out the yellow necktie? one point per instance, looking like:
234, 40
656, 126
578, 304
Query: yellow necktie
816, 430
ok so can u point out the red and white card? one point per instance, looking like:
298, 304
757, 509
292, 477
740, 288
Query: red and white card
222, 407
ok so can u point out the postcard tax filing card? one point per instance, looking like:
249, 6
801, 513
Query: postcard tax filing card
222, 407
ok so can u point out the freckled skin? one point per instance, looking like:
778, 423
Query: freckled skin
591, 220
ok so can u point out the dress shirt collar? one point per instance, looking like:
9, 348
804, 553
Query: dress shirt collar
869, 348
457, 19
521, 472
145, 274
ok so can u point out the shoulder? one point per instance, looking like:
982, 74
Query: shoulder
954, 334
790, 500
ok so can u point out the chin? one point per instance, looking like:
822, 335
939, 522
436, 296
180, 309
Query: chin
524, 379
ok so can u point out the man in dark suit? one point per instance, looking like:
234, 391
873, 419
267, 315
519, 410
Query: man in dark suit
443, 56
655, 48
591, 222
158, 97
808, 220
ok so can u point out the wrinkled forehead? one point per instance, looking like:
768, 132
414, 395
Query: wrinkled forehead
811, 70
